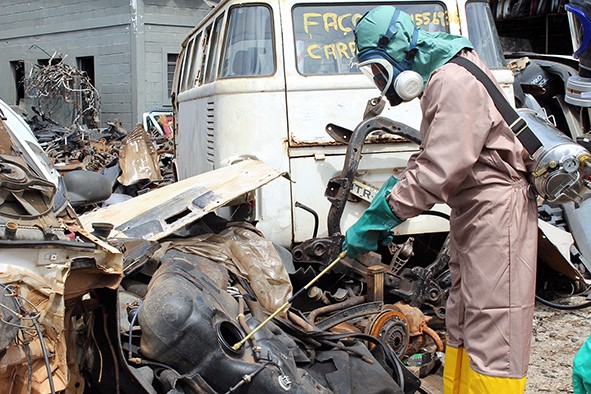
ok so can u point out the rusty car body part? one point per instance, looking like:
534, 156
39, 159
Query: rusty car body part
138, 158
48, 270
404, 328
338, 188
51, 277
393, 328
417, 321
415, 317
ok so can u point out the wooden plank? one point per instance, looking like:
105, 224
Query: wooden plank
160, 212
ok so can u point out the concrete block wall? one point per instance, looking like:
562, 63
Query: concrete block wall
129, 41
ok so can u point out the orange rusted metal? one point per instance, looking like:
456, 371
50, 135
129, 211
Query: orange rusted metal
380, 320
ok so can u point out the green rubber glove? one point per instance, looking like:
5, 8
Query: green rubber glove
582, 369
373, 227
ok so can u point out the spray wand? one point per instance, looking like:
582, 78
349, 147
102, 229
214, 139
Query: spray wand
238, 345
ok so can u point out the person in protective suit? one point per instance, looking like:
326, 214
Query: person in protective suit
470, 160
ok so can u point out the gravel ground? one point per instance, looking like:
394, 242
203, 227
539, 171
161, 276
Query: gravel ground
557, 337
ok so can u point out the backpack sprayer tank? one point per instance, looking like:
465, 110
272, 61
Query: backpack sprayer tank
562, 169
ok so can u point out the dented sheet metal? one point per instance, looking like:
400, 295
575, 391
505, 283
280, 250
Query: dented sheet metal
554, 249
138, 158
47, 266
44, 277
160, 212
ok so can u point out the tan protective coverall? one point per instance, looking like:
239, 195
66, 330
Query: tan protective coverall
471, 160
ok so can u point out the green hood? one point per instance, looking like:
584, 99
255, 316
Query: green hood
434, 49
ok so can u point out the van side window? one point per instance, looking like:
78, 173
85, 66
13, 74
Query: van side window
324, 34
212, 57
248, 45
192, 61
202, 55
188, 63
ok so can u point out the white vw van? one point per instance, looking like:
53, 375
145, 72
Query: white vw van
263, 79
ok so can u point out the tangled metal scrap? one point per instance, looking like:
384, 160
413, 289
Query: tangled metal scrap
57, 80
77, 146
100, 150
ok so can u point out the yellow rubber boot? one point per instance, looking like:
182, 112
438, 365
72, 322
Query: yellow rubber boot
459, 378
483, 384
456, 371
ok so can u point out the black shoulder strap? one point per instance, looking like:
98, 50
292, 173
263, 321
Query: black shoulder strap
519, 127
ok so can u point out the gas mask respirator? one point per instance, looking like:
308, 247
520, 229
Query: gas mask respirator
395, 80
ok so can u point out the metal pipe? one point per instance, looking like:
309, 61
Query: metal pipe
242, 321
316, 220
11, 228
431, 333
335, 307
300, 321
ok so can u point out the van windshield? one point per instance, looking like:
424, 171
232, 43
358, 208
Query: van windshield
324, 38
483, 34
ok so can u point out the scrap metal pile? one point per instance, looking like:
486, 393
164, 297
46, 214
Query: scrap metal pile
84, 146
77, 146
151, 295
111, 151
